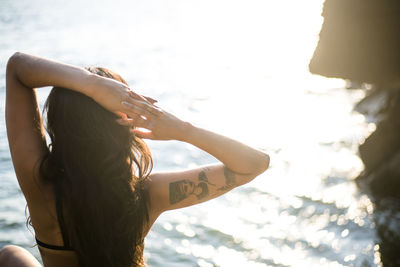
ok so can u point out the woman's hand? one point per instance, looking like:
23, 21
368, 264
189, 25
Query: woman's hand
110, 94
160, 124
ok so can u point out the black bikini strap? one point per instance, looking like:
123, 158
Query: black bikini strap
40, 243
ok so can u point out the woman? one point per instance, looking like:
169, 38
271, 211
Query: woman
91, 195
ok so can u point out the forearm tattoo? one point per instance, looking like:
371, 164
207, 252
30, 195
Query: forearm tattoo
182, 189
230, 180
178, 191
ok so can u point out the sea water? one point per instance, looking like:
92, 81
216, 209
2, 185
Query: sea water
235, 67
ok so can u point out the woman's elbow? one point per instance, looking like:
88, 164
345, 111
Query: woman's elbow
263, 163
14, 58
13, 62
260, 167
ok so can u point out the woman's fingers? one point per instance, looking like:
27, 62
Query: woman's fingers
136, 121
140, 104
126, 122
141, 108
135, 109
143, 115
142, 97
151, 100
142, 134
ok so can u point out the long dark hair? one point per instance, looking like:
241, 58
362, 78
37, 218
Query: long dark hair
98, 170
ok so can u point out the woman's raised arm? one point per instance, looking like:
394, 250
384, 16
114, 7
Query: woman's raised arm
240, 163
34, 72
23, 119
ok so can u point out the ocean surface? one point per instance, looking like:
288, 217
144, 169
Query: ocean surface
235, 67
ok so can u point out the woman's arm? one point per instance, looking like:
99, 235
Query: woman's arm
25, 131
35, 72
24, 124
240, 163
239, 158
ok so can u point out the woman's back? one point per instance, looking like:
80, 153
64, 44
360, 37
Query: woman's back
48, 233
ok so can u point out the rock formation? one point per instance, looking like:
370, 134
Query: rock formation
360, 42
